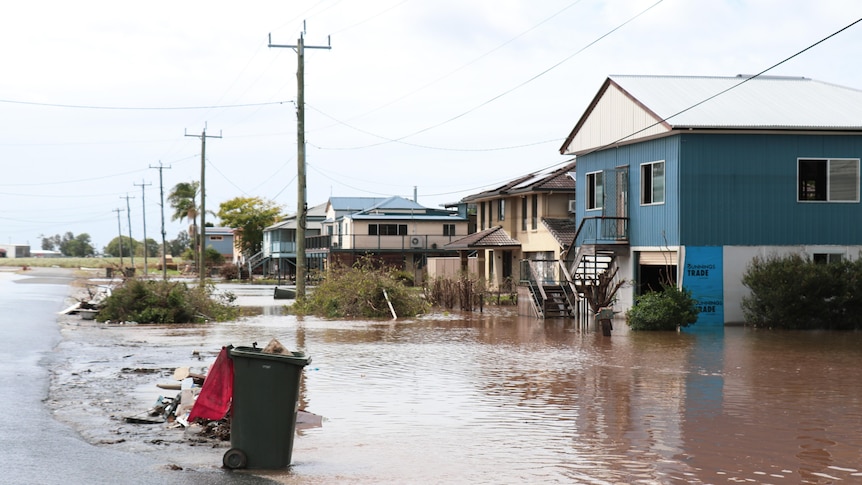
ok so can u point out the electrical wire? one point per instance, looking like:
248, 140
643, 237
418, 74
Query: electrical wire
142, 108
512, 89
744, 80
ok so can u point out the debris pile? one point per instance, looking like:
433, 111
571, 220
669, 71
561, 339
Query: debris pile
89, 306
204, 399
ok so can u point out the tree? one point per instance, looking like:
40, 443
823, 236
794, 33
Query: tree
183, 199
50, 243
249, 216
79, 246
128, 245
152, 248
180, 244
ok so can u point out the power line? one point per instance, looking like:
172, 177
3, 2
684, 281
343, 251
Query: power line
744, 80
468, 63
510, 90
141, 108
417, 145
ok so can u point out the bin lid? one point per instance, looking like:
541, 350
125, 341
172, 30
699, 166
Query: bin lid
295, 358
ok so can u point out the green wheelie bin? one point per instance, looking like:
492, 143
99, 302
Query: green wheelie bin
263, 409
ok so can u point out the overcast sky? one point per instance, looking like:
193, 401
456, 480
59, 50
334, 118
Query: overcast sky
448, 96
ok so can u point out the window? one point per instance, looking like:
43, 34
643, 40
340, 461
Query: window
387, 229
595, 191
216, 238
448, 229
481, 216
523, 213
832, 180
825, 258
535, 208
501, 210
652, 183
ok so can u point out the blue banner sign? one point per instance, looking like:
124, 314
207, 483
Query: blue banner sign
702, 275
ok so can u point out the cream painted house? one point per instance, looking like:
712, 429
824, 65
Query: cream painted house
397, 231
529, 218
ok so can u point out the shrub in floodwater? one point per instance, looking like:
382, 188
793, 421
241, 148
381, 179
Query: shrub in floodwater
668, 309
146, 301
794, 292
358, 291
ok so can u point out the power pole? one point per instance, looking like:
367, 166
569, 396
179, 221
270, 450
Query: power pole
144, 213
301, 204
120, 238
162, 205
202, 265
131, 241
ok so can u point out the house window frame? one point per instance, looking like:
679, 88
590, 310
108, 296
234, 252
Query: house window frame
648, 182
534, 218
374, 229
595, 190
501, 209
524, 213
827, 258
828, 177
448, 229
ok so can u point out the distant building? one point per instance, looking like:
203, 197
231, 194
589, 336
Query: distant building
222, 239
45, 253
15, 251
395, 230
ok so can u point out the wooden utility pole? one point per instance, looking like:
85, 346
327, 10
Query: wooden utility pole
131, 241
144, 215
120, 237
162, 205
203, 232
301, 203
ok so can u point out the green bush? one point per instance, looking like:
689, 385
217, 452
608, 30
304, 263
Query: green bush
668, 309
144, 301
358, 291
793, 292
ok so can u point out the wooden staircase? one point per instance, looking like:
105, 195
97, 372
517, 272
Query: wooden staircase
255, 261
550, 298
558, 302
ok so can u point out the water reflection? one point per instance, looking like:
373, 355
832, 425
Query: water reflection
494, 398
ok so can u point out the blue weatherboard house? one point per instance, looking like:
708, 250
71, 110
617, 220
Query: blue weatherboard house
686, 179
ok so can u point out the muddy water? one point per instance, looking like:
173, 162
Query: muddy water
494, 398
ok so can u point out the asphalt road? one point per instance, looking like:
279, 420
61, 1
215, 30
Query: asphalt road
36, 448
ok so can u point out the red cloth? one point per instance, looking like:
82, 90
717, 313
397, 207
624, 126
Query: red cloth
213, 401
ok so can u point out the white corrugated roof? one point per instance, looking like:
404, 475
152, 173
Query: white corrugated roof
743, 102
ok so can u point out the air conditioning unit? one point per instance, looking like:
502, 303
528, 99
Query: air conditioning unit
415, 242
572, 206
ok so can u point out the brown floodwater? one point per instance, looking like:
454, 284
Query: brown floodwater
495, 398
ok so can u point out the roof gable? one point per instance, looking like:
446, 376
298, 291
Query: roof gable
353, 204
550, 179
399, 207
493, 237
313, 215
630, 108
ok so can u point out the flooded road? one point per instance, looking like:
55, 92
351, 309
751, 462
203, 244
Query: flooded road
495, 398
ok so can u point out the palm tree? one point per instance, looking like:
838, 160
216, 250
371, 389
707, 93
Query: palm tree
183, 199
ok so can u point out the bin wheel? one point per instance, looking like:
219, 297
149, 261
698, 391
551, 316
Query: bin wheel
234, 458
